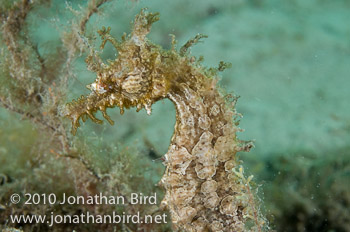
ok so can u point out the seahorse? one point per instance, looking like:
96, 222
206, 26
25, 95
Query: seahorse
204, 192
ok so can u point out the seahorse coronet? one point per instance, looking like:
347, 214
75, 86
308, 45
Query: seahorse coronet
199, 182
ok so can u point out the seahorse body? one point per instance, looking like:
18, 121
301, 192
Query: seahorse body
203, 192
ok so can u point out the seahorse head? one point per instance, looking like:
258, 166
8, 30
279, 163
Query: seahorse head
126, 85
131, 80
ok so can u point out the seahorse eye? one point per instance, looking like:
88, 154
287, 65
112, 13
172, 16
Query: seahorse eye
134, 85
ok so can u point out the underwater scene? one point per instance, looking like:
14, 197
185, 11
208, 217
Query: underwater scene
174, 115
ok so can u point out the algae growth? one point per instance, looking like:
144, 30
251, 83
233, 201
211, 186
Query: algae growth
289, 64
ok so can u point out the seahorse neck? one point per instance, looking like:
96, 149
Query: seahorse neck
198, 112
200, 157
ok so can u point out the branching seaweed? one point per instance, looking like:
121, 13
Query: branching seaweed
32, 87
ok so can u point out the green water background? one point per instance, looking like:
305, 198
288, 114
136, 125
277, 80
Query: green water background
291, 67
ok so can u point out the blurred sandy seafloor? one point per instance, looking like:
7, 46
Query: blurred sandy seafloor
290, 67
